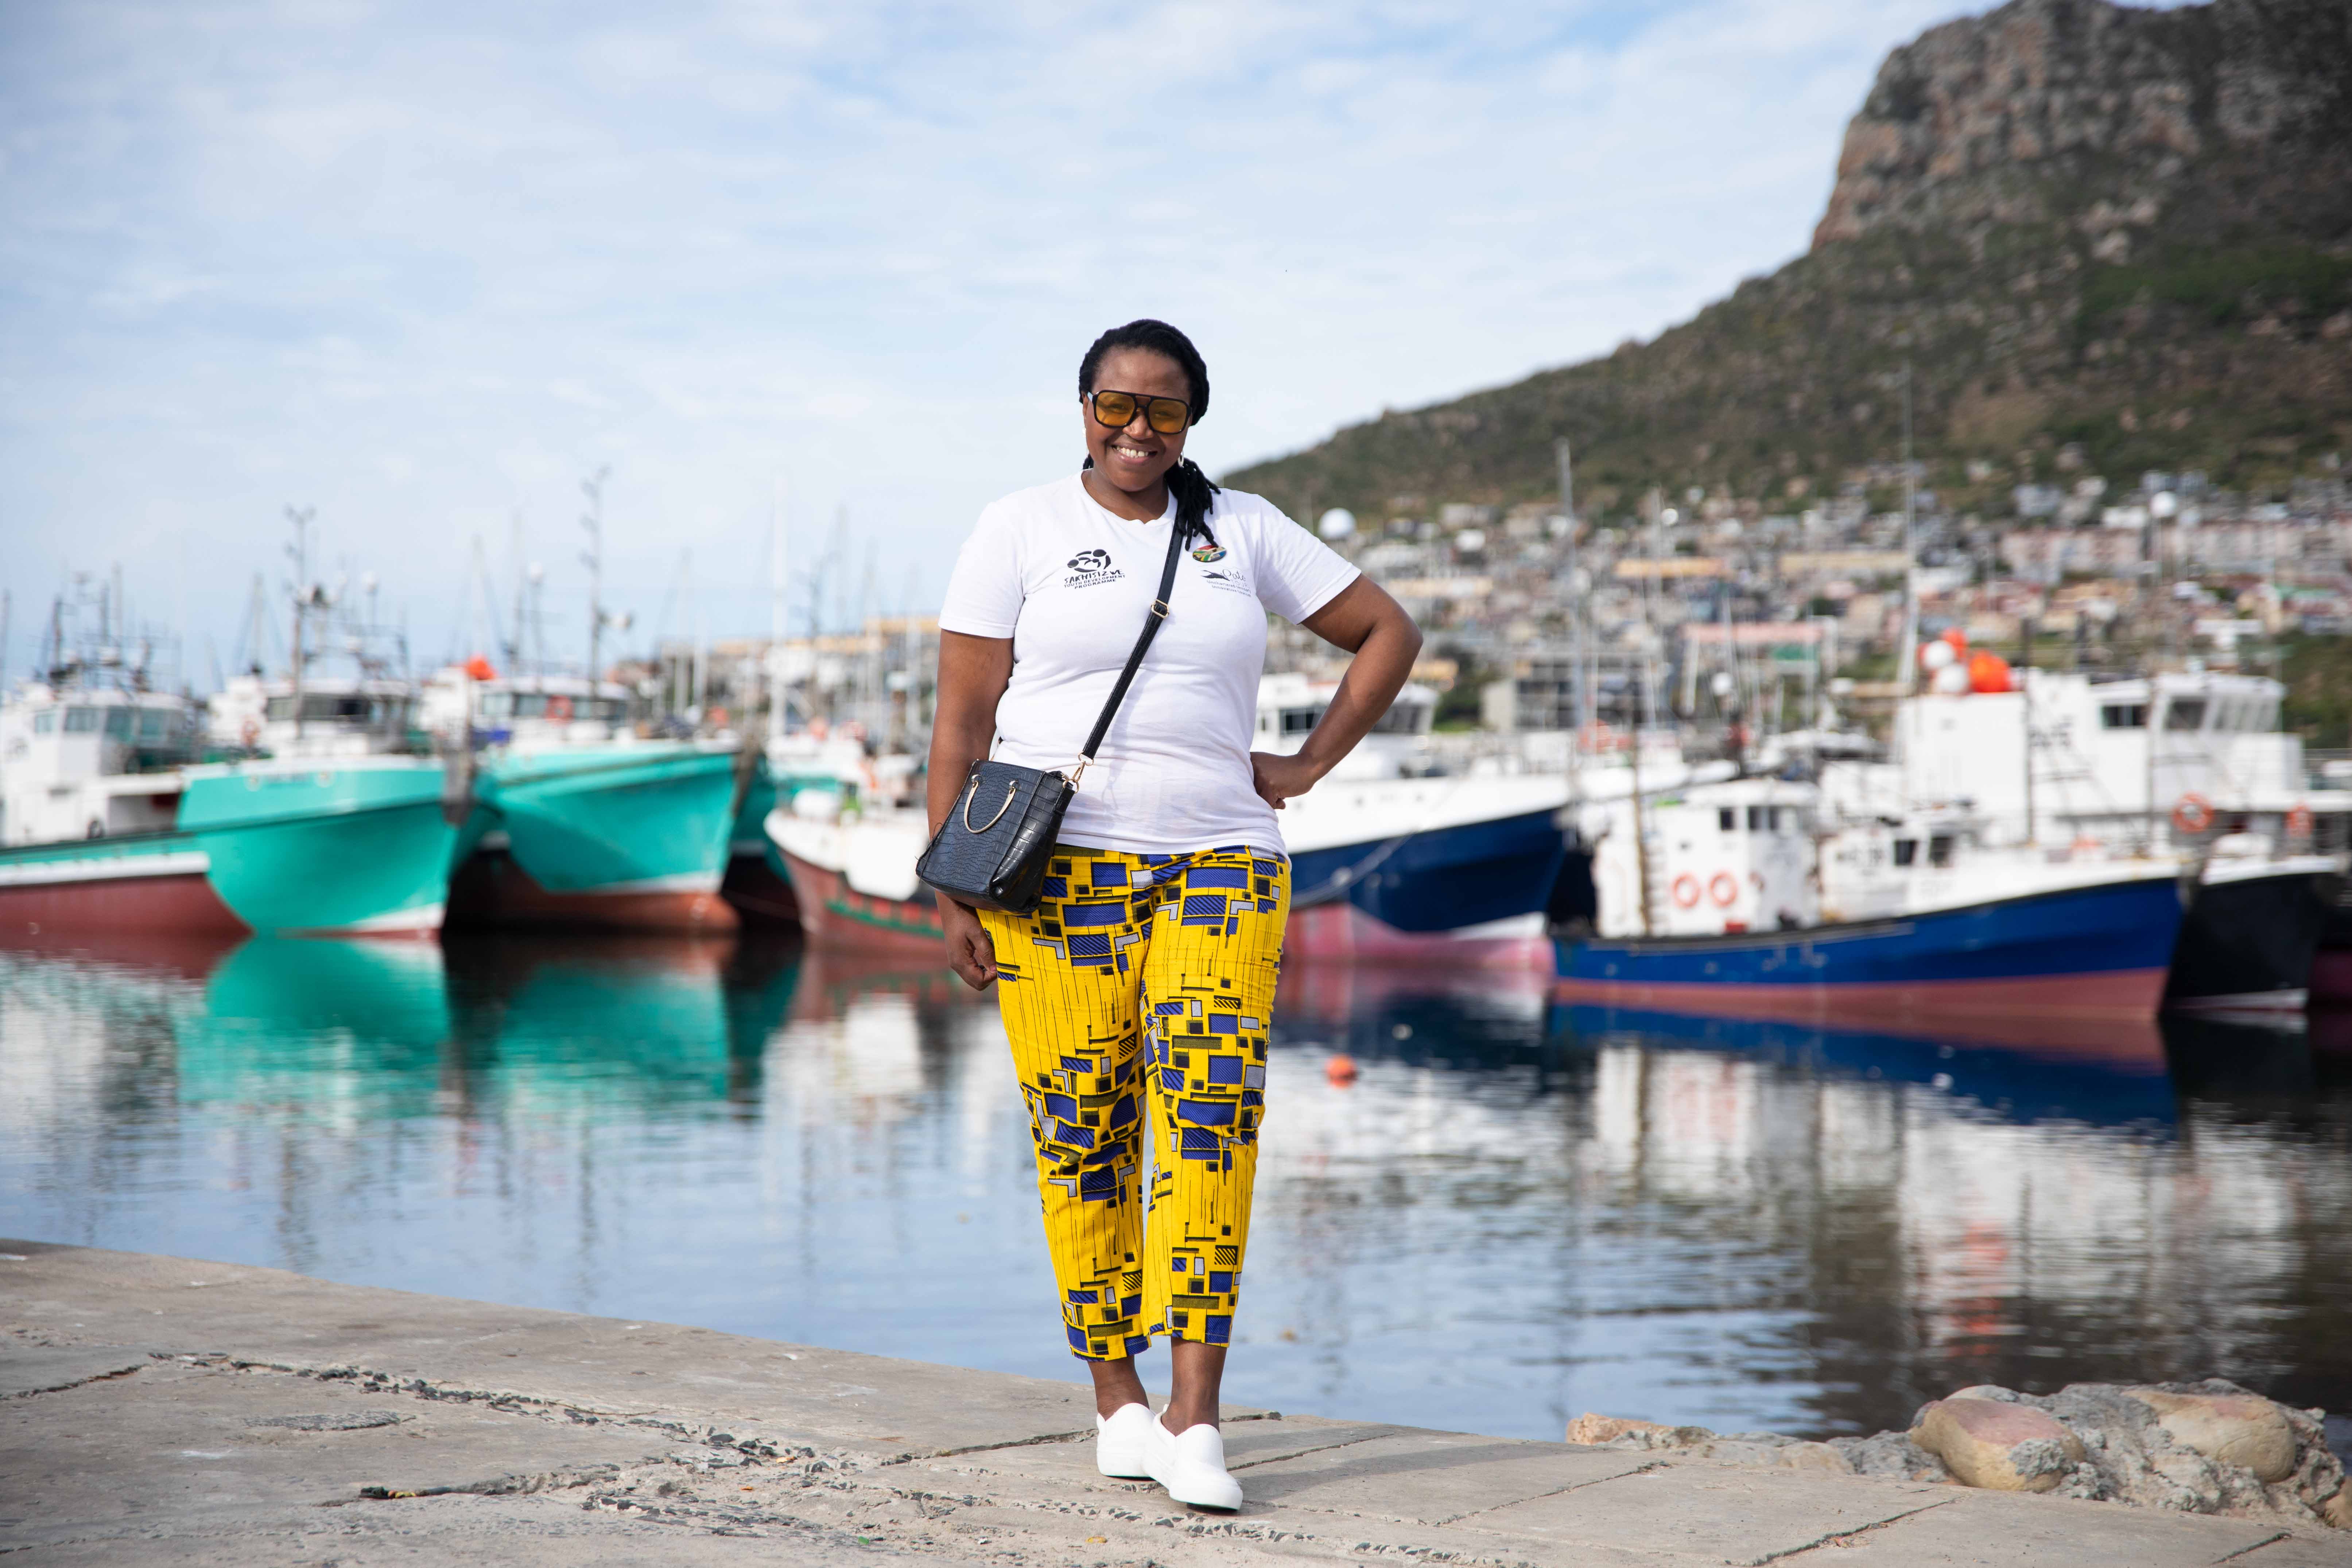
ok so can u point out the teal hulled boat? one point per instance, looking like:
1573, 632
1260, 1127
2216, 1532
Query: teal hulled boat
620, 836
344, 846
351, 846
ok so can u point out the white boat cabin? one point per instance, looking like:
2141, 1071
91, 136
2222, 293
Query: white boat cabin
77, 764
549, 710
2116, 763
1708, 860
1291, 706
346, 717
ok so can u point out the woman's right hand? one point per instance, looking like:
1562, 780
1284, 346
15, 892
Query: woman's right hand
970, 951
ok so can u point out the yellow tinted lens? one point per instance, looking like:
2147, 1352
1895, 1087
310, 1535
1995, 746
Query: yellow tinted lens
1114, 408
1166, 413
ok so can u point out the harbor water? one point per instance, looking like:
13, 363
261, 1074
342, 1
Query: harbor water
1516, 1211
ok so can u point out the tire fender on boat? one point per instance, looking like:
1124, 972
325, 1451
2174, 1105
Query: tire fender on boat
2192, 812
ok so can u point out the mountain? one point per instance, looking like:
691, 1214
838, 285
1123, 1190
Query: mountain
2109, 239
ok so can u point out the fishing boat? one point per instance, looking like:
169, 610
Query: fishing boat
110, 828
577, 823
2190, 769
1732, 897
1397, 857
854, 876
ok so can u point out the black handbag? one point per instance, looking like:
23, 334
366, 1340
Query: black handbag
992, 851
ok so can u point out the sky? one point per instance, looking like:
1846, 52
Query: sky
422, 268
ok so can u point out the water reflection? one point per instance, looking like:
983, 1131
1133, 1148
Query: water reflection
1513, 1213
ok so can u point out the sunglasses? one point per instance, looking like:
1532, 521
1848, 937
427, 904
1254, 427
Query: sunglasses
1117, 409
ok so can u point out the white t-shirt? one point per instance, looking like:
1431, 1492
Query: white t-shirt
1071, 583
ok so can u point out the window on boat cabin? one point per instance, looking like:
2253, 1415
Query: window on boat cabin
497, 704
2124, 716
44, 723
154, 723
1402, 719
1907, 851
120, 722
611, 710
1784, 819
1726, 819
1299, 720
1939, 849
1757, 818
81, 721
2185, 713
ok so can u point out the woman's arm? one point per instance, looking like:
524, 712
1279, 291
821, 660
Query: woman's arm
973, 675
1365, 621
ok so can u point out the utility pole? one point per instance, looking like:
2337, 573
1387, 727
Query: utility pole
593, 559
300, 517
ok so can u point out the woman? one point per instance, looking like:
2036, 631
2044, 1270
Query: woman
1142, 988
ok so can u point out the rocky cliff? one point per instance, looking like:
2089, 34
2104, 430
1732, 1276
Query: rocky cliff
2114, 237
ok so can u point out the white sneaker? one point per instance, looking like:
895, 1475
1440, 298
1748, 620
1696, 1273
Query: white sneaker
1120, 1442
1191, 1465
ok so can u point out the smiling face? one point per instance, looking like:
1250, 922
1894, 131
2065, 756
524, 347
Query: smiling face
1135, 459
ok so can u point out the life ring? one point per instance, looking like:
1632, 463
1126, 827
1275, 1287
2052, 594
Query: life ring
250, 731
1685, 891
1723, 888
2192, 812
2298, 820
558, 707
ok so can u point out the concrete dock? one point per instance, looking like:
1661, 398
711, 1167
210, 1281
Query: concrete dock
159, 1411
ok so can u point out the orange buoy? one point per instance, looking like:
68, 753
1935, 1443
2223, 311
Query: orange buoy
1988, 672
1340, 1069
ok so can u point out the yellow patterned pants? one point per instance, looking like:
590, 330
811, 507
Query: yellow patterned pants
1141, 990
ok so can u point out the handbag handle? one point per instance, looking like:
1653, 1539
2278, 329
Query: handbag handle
1176, 536
972, 794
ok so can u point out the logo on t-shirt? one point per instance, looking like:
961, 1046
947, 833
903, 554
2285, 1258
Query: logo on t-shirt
1208, 552
1091, 568
1227, 581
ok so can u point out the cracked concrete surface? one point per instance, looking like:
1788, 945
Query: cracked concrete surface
156, 1411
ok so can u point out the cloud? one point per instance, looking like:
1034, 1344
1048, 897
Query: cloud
254, 248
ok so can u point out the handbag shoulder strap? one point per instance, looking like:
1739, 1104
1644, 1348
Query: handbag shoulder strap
1135, 659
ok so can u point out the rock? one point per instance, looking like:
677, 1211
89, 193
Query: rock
1998, 1447
1813, 1457
2337, 1511
2244, 1430
1621, 1432
1892, 1454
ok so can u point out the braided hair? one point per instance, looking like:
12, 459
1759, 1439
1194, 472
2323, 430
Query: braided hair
1192, 489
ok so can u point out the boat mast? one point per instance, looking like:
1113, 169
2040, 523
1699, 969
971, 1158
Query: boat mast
776, 547
300, 551
1578, 721
1907, 656
593, 559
